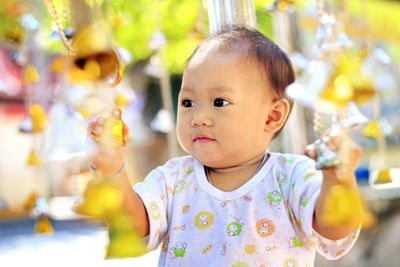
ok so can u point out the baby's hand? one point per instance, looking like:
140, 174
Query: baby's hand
110, 135
348, 153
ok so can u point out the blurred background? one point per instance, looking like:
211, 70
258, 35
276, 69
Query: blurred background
64, 63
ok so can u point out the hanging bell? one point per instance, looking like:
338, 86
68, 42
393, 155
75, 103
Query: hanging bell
34, 159
94, 59
44, 226
372, 130
341, 208
101, 197
124, 240
384, 177
30, 202
31, 74
38, 118
348, 83
113, 130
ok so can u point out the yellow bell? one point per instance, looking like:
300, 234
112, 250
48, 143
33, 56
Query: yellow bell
38, 117
341, 208
94, 60
101, 197
58, 64
30, 202
372, 130
348, 83
15, 34
34, 159
124, 240
113, 130
31, 74
384, 177
43, 226
121, 101
283, 5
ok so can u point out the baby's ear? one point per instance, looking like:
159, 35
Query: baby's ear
277, 115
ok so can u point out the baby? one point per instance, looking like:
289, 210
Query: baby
230, 202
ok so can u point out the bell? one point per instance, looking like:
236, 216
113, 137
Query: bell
372, 130
101, 196
124, 240
113, 130
38, 117
34, 159
348, 83
31, 74
43, 226
341, 208
94, 59
31, 201
384, 177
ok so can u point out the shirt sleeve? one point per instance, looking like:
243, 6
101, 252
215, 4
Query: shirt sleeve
153, 192
305, 189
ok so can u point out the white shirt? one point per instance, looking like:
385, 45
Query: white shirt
265, 222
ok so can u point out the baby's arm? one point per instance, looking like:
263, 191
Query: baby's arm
108, 160
333, 176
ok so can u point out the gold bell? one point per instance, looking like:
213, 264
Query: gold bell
124, 240
384, 177
43, 226
348, 83
113, 130
30, 201
34, 159
38, 117
101, 197
94, 59
372, 130
341, 208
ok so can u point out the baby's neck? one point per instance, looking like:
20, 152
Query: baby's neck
231, 178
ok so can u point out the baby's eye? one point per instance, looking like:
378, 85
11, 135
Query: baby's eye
219, 102
187, 103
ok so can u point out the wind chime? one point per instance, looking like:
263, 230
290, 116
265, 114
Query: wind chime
34, 124
332, 84
94, 62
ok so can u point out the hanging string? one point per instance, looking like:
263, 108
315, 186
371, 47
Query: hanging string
53, 13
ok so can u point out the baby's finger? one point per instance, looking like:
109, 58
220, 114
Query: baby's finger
125, 131
310, 151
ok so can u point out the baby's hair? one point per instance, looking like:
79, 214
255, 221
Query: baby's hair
273, 62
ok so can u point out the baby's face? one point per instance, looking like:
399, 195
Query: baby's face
223, 106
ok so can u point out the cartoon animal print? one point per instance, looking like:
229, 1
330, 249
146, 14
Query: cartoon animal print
274, 198
185, 209
180, 186
284, 160
265, 228
250, 249
281, 177
203, 220
179, 249
234, 228
240, 264
206, 249
154, 210
308, 176
170, 164
290, 262
224, 247
295, 242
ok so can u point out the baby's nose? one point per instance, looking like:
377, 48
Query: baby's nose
201, 118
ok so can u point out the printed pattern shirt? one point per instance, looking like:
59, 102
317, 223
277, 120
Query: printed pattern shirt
265, 222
